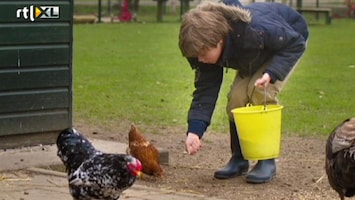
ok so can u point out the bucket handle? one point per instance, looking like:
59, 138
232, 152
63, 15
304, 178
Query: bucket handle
264, 97
252, 92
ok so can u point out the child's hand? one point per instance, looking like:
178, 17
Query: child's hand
263, 81
193, 143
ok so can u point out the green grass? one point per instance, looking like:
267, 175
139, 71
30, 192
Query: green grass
130, 71
135, 72
320, 93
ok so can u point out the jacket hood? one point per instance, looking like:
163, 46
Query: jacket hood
233, 13
241, 14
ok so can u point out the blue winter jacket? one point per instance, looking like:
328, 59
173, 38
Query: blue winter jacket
277, 34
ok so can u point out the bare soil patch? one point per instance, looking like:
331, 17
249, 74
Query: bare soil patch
300, 168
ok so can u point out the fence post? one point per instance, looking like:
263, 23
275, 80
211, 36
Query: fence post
160, 4
99, 11
317, 6
299, 3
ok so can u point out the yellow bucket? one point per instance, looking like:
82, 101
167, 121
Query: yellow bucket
259, 131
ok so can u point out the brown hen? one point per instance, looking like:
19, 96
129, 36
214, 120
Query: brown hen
143, 150
340, 159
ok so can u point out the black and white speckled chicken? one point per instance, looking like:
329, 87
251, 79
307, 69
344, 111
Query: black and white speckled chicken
340, 159
92, 174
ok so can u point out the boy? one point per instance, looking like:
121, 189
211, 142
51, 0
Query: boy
262, 41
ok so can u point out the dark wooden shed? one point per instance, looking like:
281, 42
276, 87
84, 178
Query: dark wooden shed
36, 42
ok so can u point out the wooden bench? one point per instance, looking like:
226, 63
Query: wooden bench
84, 19
326, 11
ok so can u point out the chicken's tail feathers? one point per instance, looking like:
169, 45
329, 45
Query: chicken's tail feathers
134, 133
73, 147
133, 127
342, 137
68, 132
347, 129
71, 136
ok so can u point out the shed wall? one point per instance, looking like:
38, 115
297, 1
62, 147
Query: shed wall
36, 41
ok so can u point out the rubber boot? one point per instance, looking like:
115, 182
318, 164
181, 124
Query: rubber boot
262, 172
237, 165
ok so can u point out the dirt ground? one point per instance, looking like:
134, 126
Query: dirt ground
300, 168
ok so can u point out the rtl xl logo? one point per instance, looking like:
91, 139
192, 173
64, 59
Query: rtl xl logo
34, 12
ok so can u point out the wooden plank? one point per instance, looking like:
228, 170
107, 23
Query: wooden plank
85, 19
163, 156
315, 10
22, 101
326, 11
29, 139
38, 55
23, 79
34, 122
